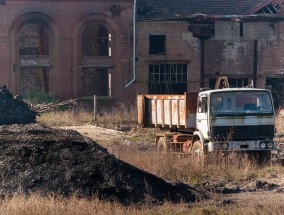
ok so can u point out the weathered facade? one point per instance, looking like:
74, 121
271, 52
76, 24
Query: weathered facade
81, 48
201, 40
68, 49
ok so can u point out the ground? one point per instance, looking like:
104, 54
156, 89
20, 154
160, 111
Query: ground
38, 159
243, 193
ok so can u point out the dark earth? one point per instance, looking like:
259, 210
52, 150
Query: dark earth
38, 159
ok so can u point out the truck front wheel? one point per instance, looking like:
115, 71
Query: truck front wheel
263, 157
197, 153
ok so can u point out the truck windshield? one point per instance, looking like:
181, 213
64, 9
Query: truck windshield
241, 103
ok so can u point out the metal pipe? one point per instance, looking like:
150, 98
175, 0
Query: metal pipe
202, 62
134, 45
255, 61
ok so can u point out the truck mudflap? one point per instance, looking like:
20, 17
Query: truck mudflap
253, 145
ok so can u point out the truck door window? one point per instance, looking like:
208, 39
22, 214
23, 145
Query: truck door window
202, 105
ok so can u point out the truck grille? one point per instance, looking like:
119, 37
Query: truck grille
242, 132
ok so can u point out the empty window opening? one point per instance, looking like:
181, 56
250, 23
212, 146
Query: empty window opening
168, 78
33, 39
233, 82
96, 81
33, 49
241, 29
96, 40
157, 44
276, 85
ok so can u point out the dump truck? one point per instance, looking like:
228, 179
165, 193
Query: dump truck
213, 120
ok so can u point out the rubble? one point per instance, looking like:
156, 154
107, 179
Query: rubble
43, 160
14, 110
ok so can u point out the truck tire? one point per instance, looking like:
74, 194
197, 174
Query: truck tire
162, 145
197, 153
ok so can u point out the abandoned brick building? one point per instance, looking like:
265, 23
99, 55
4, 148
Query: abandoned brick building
81, 48
184, 45
68, 49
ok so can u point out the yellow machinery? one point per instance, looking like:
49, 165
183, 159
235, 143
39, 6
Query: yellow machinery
222, 82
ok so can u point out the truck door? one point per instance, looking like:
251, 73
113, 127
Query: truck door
202, 114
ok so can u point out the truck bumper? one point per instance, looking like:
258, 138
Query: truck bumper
251, 145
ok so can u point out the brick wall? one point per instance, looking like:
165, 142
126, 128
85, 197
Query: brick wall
229, 52
181, 48
65, 21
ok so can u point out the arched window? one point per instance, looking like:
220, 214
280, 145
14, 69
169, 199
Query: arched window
33, 51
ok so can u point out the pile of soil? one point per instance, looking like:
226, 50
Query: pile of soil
14, 110
38, 159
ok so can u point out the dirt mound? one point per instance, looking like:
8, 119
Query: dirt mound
37, 159
14, 111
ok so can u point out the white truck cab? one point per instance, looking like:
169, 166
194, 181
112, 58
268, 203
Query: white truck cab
236, 119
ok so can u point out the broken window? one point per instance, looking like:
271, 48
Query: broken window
34, 63
241, 29
95, 62
272, 8
276, 85
233, 82
157, 44
96, 40
96, 81
167, 78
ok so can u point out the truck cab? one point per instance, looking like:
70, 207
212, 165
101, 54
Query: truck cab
236, 119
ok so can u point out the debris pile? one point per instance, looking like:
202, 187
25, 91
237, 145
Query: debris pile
38, 159
14, 110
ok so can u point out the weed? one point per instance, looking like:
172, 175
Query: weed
38, 98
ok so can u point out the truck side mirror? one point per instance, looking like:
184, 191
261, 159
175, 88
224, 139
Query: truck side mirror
199, 106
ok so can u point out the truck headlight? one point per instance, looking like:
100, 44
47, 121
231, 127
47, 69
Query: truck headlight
262, 145
270, 145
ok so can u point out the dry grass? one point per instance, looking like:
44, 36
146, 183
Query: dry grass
65, 118
279, 123
123, 113
36, 205
218, 169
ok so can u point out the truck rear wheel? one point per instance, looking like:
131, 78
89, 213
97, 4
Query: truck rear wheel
162, 145
197, 153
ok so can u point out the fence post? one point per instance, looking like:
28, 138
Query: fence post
95, 107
